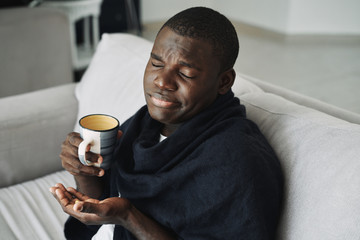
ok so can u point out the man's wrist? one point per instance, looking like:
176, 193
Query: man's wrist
91, 186
144, 227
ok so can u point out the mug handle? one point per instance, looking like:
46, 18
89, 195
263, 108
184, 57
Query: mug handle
82, 151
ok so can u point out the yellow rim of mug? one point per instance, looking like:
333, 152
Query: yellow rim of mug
100, 114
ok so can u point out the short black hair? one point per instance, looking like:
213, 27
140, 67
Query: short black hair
209, 25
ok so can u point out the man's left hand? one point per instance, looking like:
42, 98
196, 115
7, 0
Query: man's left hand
91, 211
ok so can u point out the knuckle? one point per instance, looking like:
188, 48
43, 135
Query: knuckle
78, 165
63, 160
73, 134
62, 155
71, 138
64, 145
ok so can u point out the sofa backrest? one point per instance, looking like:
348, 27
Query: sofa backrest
320, 158
319, 154
35, 50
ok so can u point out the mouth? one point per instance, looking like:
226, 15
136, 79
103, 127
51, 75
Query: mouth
162, 102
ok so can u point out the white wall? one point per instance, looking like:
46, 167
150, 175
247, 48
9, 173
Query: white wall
268, 14
161, 10
324, 17
284, 16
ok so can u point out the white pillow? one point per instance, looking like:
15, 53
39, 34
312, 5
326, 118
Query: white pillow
320, 157
113, 82
29, 211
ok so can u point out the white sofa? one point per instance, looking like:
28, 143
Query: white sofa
318, 145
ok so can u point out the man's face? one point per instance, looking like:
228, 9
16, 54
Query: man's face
181, 78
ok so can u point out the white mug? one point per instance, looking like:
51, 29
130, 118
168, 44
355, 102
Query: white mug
100, 131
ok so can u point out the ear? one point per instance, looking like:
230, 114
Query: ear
227, 79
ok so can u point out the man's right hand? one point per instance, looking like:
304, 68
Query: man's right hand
70, 160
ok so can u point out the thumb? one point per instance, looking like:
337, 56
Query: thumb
78, 206
89, 207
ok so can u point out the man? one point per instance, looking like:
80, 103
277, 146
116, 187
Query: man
188, 165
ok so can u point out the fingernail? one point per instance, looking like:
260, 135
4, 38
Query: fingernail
76, 206
57, 192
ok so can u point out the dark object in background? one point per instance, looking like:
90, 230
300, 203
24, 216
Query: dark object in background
116, 16
119, 16
13, 3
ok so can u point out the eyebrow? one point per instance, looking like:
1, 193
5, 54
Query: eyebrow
153, 55
183, 63
188, 64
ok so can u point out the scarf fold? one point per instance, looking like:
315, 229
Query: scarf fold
192, 181
142, 132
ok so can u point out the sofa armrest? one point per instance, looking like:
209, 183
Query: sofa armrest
32, 128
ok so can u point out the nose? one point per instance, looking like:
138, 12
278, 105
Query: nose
165, 80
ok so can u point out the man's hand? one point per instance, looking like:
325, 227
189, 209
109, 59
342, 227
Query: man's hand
113, 210
70, 160
91, 211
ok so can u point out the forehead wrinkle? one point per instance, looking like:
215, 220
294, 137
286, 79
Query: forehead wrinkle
186, 58
177, 50
171, 53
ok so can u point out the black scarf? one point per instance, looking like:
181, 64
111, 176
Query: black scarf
215, 177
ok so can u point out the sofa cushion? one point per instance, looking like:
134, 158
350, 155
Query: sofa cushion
29, 211
319, 155
113, 83
32, 127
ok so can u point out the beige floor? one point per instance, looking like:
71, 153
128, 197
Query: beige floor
326, 68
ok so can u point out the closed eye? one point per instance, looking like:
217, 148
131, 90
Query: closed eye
185, 76
156, 65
